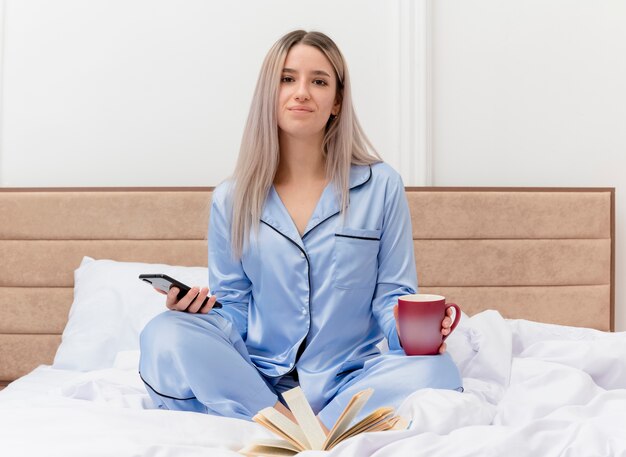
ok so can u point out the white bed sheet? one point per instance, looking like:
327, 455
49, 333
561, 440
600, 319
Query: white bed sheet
530, 389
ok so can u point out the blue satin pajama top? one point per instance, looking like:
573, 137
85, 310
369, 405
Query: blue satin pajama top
329, 293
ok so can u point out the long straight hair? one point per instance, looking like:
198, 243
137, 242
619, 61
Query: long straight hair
344, 144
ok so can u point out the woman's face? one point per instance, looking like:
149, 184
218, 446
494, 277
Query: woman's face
307, 93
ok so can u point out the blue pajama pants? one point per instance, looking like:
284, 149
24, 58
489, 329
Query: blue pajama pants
198, 362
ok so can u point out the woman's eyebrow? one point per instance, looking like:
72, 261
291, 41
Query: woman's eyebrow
314, 72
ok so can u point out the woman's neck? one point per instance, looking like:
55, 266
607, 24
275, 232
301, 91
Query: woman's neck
300, 160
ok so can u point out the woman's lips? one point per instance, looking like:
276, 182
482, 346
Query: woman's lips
300, 109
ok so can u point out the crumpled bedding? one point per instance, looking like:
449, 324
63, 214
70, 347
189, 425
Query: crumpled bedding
531, 389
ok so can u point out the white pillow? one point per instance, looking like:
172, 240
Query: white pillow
111, 306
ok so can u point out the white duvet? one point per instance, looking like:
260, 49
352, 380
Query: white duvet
530, 390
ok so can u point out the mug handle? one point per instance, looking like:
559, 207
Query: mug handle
457, 317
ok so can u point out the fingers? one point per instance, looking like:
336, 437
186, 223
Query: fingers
446, 323
209, 305
175, 304
192, 302
196, 303
442, 348
172, 299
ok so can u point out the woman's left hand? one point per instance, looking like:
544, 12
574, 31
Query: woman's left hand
446, 323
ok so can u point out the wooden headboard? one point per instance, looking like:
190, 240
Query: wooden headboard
538, 254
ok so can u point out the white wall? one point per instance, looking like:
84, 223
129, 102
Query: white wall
533, 93
155, 93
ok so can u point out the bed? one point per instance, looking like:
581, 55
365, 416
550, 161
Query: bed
533, 270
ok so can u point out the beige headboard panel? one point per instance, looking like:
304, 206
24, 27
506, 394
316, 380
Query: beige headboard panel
540, 254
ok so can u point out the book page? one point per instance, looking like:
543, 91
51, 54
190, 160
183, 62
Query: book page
265, 451
272, 428
349, 413
379, 420
278, 423
270, 447
401, 424
305, 416
372, 422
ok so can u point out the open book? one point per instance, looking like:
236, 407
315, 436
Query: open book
309, 434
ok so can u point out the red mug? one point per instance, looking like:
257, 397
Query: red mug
420, 317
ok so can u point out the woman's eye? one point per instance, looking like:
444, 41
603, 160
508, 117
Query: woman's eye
320, 82
286, 79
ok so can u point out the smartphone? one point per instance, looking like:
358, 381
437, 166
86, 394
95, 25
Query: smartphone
165, 283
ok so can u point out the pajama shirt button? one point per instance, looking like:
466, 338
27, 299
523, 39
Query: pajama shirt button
302, 255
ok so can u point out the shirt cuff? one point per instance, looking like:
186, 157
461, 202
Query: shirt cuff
394, 341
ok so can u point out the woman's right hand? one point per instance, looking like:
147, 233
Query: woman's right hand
192, 302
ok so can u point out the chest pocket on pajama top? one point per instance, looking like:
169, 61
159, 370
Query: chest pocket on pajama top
355, 258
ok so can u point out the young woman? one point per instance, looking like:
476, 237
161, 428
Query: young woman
310, 244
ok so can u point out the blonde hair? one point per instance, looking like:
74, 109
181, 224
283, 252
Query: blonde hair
345, 143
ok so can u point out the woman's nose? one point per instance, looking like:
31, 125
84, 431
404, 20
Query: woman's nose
302, 92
